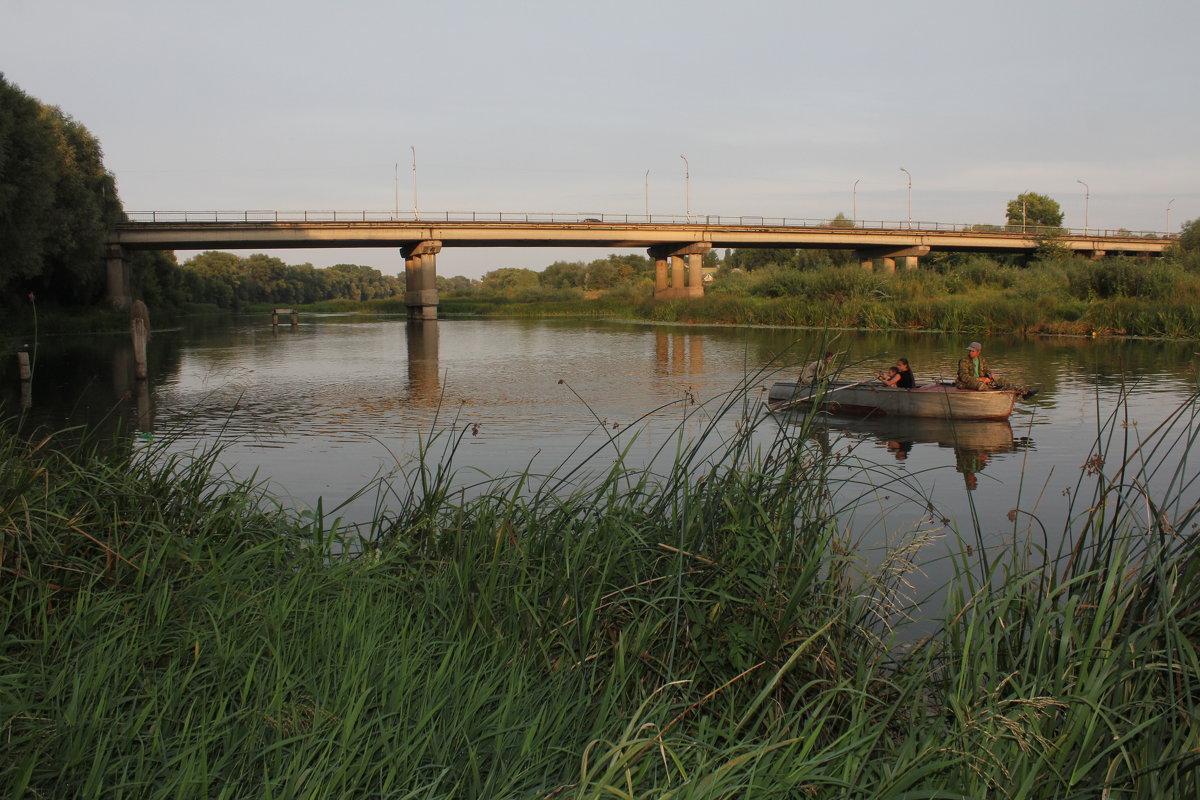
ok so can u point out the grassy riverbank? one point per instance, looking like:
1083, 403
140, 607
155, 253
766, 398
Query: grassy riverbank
708, 632
1114, 296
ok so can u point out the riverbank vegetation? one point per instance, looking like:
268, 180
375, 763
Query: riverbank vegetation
1055, 294
708, 631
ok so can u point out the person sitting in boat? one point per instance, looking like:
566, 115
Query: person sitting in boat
973, 373
817, 369
899, 376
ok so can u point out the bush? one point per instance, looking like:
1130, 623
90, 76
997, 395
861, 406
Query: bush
1123, 277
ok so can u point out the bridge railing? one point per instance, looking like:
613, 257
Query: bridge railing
585, 218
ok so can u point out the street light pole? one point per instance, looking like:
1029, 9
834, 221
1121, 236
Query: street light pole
687, 187
1087, 199
909, 174
854, 202
646, 194
396, 186
416, 215
1168, 228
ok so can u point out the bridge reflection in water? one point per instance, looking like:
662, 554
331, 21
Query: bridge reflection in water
424, 383
678, 354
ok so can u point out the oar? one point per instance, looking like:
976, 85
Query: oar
790, 403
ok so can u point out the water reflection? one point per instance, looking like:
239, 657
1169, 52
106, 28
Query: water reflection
678, 354
422, 344
974, 442
89, 382
353, 394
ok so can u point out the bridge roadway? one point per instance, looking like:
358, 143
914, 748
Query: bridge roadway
674, 238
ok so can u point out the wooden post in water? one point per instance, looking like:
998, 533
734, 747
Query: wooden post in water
139, 347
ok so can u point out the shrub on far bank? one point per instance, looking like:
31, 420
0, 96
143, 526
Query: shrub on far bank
1121, 276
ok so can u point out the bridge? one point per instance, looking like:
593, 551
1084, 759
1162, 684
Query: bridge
680, 241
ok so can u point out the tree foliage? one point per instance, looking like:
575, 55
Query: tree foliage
1189, 237
564, 275
509, 279
1030, 209
229, 281
1187, 247
57, 202
752, 258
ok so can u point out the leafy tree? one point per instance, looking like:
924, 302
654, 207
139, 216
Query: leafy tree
356, 282
214, 277
841, 221
459, 284
1187, 247
509, 279
1189, 237
563, 275
158, 279
1030, 209
752, 258
605, 273
264, 279
57, 201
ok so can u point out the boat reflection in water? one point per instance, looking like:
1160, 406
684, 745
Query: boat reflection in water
974, 442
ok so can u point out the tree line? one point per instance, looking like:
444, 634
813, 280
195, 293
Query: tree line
226, 280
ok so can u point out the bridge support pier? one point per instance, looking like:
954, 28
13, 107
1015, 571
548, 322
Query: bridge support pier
420, 279
116, 262
884, 258
687, 277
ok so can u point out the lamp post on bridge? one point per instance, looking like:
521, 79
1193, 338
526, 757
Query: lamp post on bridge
416, 215
1168, 228
909, 174
1087, 199
854, 202
687, 187
646, 194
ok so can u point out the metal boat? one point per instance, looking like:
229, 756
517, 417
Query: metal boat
930, 400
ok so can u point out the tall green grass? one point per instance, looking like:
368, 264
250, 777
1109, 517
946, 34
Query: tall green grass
961, 292
703, 631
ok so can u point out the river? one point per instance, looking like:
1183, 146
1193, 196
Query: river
321, 410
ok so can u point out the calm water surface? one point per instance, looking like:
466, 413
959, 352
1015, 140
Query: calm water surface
322, 410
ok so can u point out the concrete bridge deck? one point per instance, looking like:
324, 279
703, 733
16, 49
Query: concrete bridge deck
245, 230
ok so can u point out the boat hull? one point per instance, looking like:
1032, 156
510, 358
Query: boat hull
931, 401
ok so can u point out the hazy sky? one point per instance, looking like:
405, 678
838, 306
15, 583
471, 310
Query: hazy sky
563, 106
